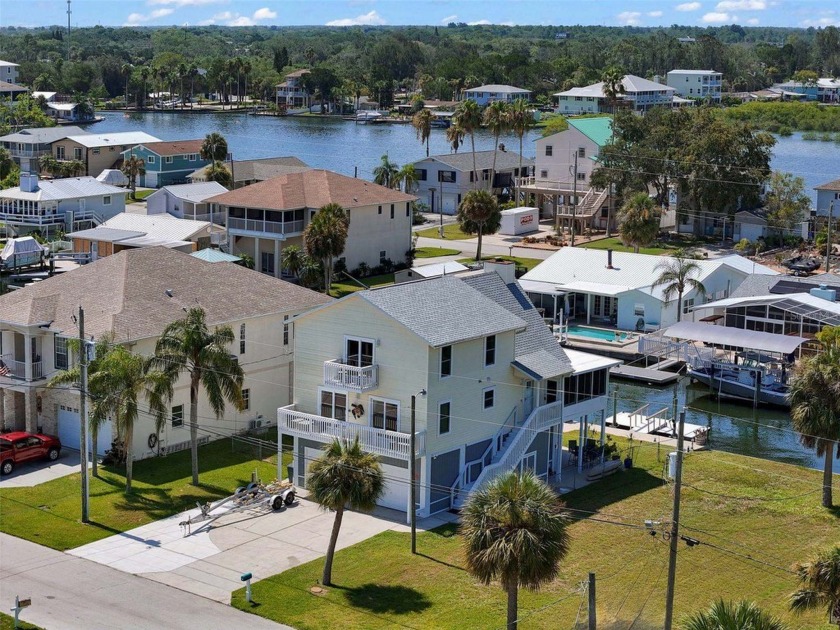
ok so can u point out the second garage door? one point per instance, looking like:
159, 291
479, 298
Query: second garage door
69, 429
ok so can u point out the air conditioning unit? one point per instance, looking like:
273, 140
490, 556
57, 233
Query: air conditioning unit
254, 424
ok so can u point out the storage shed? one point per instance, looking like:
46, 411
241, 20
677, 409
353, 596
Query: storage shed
520, 221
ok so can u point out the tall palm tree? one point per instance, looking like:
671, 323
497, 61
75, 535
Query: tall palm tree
479, 213
521, 120
187, 346
145, 73
325, 237
819, 580
409, 178
48, 164
741, 616
214, 147
192, 72
496, 119
613, 86
183, 69
454, 136
71, 168
344, 476
815, 404
133, 168
468, 118
638, 221
514, 531
386, 173
676, 277
422, 123
246, 71
126, 69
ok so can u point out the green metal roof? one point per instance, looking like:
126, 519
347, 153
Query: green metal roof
214, 256
599, 130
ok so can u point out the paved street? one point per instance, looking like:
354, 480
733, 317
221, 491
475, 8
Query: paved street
70, 593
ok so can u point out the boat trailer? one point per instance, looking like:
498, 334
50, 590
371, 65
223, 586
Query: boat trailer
275, 495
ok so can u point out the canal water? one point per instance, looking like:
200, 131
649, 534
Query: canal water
348, 148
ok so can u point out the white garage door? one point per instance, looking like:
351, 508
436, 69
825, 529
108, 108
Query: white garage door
68, 430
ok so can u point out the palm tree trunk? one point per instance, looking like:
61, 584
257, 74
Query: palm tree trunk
512, 606
478, 247
828, 476
493, 170
428, 138
679, 306
194, 382
475, 171
129, 457
326, 579
94, 436
327, 279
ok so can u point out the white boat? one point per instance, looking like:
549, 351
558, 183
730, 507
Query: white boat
366, 117
736, 381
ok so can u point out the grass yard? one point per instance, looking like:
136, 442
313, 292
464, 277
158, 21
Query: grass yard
434, 252
340, 289
8, 623
615, 244
451, 231
49, 514
528, 263
140, 196
735, 506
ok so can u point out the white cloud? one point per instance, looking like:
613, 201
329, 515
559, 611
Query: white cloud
629, 18
741, 5
480, 23
136, 19
654, 13
185, 3
753, 21
265, 14
367, 19
242, 20
448, 19
718, 17
688, 6
823, 21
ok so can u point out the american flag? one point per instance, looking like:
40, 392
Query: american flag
4, 369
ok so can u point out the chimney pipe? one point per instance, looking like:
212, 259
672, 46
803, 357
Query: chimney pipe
609, 259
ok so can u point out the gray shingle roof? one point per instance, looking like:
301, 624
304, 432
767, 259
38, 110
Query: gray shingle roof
43, 135
443, 310
536, 348
483, 160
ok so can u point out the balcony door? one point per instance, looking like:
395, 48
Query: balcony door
358, 352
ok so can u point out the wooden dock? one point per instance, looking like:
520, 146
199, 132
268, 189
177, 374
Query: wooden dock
647, 420
654, 375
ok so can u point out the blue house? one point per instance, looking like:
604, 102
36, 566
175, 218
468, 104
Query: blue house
168, 162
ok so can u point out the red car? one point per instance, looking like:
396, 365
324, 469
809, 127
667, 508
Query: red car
19, 446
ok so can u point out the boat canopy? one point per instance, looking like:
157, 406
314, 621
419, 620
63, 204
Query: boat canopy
735, 337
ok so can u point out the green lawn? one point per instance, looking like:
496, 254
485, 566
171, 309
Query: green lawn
451, 231
8, 623
347, 286
746, 507
140, 196
49, 513
528, 263
434, 252
615, 244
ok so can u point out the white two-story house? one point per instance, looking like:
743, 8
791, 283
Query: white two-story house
486, 94
133, 296
696, 84
491, 385
9, 71
639, 95
291, 93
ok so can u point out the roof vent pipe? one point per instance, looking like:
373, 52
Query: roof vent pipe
609, 259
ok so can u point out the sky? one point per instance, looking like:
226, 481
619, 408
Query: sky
432, 12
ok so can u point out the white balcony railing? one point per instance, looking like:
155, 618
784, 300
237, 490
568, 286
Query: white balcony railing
17, 369
271, 227
372, 440
358, 379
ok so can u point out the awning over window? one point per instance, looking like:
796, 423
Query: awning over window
735, 337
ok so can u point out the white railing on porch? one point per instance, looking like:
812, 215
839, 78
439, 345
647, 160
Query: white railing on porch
658, 345
350, 376
373, 440
17, 369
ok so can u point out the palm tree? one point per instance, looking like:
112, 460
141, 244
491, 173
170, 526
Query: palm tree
246, 71
344, 476
613, 86
192, 72
422, 123
521, 120
126, 70
819, 580
218, 172
292, 260
145, 73
676, 277
188, 346
639, 221
132, 168
468, 118
514, 531
815, 404
325, 237
386, 173
214, 147
183, 69
496, 119
48, 164
408, 177
454, 136
479, 213
741, 616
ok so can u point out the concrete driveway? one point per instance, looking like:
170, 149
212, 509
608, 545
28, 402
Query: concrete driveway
210, 561
30, 474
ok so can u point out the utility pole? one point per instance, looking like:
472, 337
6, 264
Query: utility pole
574, 199
83, 422
675, 527
593, 619
828, 239
68, 30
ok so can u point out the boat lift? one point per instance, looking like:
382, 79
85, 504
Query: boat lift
275, 495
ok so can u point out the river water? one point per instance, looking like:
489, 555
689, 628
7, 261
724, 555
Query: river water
344, 147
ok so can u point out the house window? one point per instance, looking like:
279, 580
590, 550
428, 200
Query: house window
581, 176
62, 361
549, 150
77, 153
392, 211
385, 414
639, 310
421, 174
246, 399
490, 350
446, 361
150, 159
177, 416
59, 153
96, 151
168, 159
444, 418
333, 405
485, 174
379, 210
447, 177
383, 257
544, 174
267, 262
285, 330
489, 397
550, 392
407, 209
359, 351
581, 152
242, 339
192, 157
688, 304
106, 200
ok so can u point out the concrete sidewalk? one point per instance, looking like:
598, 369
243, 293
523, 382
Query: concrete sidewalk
70, 593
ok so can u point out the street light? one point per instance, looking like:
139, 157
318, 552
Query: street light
412, 471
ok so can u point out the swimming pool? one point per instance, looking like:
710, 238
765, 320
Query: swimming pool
597, 333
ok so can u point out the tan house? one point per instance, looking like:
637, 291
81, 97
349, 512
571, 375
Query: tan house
133, 296
247, 172
98, 151
267, 216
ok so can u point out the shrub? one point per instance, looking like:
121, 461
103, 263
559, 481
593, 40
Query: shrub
339, 267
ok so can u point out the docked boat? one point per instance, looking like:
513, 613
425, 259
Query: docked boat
368, 117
